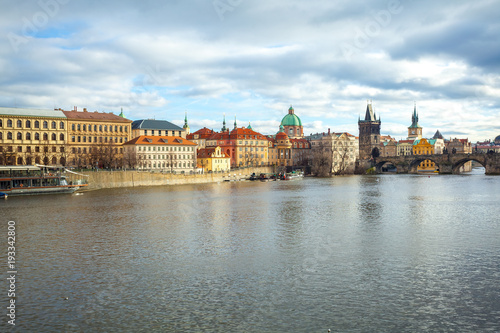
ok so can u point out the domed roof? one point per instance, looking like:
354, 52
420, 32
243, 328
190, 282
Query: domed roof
497, 139
291, 119
281, 136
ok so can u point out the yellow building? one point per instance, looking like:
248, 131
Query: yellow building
95, 139
424, 147
29, 136
213, 160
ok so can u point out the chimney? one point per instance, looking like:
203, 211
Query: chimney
84, 109
328, 131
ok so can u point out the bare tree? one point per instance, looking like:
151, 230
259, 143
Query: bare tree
322, 161
341, 161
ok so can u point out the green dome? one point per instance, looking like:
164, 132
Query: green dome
291, 120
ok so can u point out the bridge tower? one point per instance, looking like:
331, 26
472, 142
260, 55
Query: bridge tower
369, 134
414, 131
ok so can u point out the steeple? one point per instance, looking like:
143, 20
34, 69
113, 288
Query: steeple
235, 125
249, 126
121, 114
414, 117
223, 129
291, 110
369, 115
186, 126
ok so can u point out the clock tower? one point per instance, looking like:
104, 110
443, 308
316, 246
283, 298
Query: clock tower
414, 131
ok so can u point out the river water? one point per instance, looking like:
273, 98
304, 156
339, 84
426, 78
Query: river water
383, 253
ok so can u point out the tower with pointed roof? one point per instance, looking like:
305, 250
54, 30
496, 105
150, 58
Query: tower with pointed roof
224, 129
186, 126
414, 131
369, 133
235, 125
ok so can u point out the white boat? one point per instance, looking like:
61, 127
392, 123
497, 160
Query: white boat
38, 179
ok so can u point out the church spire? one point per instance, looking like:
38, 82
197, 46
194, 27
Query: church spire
186, 126
235, 125
223, 129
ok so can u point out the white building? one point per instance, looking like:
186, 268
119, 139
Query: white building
163, 153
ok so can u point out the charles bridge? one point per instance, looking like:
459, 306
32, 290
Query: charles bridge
446, 163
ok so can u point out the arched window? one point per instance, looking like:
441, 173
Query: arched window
61, 137
78, 127
19, 123
100, 128
61, 125
28, 136
73, 127
45, 124
54, 137
54, 160
37, 124
45, 136
84, 127
19, 135
19, 161
54, 125
105, 128
37, 136
28, 124
9, 123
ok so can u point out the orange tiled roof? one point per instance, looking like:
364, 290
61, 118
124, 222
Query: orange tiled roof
238, 133
95, 116
207, 152
203, 133
160, 140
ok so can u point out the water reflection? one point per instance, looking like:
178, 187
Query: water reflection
375, 253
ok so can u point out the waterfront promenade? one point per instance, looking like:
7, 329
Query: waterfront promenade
132, 178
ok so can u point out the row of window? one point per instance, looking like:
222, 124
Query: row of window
252, 156
166, 157
29, 136
36, 150
98, 128
83, 150
37, 160
160, 165
251, 149
163, 148
36, 123
153, 132
89, 140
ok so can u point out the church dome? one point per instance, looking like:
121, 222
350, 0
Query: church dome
291, 119
497, 140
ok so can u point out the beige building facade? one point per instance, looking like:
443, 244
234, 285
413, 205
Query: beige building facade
32, 136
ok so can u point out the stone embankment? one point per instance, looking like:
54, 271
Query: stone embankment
113, 179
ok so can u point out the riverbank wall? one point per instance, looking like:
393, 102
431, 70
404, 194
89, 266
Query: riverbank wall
131, 178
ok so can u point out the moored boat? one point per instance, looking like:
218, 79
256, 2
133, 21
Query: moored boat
39, 179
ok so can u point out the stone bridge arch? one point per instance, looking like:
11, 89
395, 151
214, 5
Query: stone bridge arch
460, 162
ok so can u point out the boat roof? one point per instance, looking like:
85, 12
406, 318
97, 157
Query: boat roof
19, 167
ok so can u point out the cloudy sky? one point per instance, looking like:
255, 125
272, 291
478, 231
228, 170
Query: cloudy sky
253, 59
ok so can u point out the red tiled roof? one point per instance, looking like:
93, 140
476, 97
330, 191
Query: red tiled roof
207, 152
203, 133
95, 116
160, 140
238, 133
